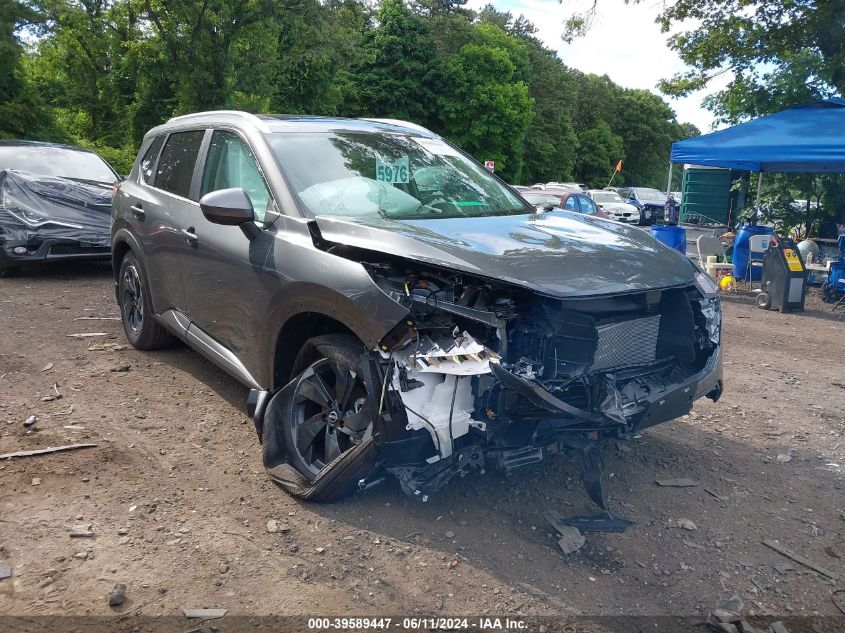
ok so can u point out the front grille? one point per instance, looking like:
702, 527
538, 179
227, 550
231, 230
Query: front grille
627, 343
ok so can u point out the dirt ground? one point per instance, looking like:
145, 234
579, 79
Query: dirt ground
178, 501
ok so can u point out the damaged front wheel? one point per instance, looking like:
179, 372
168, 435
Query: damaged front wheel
321, 423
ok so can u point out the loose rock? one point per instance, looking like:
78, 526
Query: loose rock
686, 524
117, 595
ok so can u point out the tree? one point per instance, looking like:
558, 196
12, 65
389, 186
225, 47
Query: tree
601, 150
21, 112
778, 52
395, 82
483, 107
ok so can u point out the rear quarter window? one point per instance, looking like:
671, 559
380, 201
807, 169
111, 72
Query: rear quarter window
177, 161
149, 159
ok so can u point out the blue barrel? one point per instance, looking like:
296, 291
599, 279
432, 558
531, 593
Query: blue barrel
673, 236
741, 250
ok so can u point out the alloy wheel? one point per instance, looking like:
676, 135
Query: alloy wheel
133, 300
329, 413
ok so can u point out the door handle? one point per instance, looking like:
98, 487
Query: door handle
137, 211
189, 235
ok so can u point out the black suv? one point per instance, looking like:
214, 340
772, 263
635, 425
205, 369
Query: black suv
393, 306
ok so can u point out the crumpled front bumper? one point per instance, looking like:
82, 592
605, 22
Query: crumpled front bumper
658, 407
679, 401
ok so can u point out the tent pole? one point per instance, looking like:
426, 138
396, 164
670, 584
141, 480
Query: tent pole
759, 185
669, 186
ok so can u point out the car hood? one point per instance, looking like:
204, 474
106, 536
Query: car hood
558, 253
50, 207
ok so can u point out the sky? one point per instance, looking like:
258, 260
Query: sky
623, 42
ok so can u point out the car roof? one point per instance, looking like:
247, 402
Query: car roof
22, 143
280, 123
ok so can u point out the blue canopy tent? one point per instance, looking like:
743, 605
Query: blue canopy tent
808, 138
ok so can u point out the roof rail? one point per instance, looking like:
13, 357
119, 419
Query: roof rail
400, 123
247, 116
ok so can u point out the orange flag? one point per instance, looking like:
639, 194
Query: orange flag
619, 166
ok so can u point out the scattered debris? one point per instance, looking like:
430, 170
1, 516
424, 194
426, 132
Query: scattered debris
48, 367
787, 455
94, 318
120, 369
693, 544
780, 549
686, 524
81, 531
5, 572
714, 495
46, 451
606, 522
682, 482
272, 526
449, 534
109, 347
117, 596
67, 412
783, 568
838, 597
571, 539
36, 481
734, 604
204, 614
87, 334
30, 421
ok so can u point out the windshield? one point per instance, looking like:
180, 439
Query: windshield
397, 176
651, 195
61, 162
606, 196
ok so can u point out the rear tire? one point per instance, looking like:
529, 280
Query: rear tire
322, 423
764, 301
133, 296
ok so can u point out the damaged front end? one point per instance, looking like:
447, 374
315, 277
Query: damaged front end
483, 374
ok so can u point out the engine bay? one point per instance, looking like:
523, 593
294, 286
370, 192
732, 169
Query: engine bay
484, 373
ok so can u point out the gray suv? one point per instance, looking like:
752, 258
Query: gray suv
396, 308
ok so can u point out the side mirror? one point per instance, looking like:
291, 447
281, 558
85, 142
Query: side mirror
229, 207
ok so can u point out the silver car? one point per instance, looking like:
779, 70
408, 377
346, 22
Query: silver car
615, 206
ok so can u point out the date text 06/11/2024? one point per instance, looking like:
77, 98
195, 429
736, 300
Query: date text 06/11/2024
452, 624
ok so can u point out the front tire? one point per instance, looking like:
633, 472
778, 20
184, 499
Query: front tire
322, 422
142, 330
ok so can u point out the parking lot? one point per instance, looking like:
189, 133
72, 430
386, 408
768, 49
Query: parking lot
179, 504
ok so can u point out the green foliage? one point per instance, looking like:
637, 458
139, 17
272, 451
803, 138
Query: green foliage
483, 108
779, 53
100, 73
605, 149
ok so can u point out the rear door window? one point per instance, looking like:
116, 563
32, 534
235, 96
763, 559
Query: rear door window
587, 205
231, 164
176, 164
571, 204
149, 159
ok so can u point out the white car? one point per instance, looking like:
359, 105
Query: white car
615, 206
